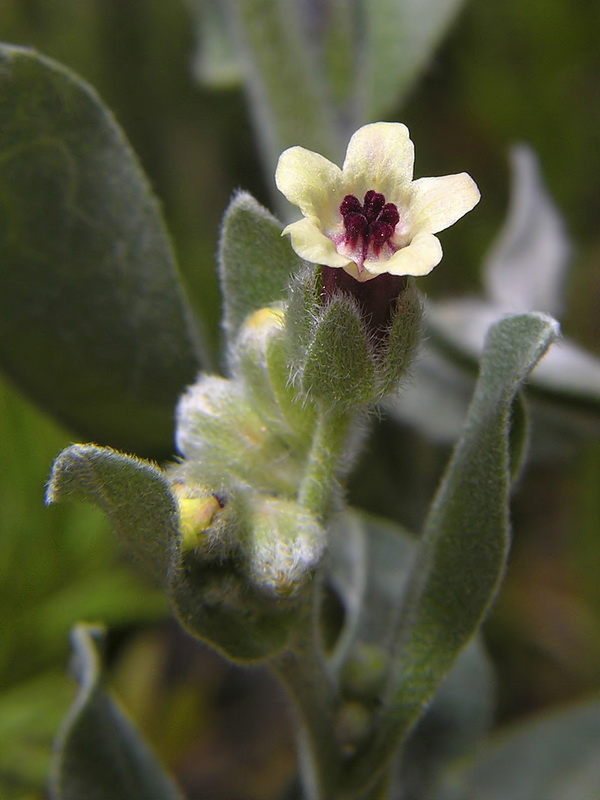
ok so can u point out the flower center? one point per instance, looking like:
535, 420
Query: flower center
369, 225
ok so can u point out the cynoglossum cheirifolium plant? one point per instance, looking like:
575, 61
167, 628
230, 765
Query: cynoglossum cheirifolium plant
249, 529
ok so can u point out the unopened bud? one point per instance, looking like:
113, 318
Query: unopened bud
285, 546
236, 579
248, 360
226, 436
351, 341
204, 521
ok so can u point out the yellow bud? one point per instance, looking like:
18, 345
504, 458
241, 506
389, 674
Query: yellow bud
197, 510
264, 319
196, 515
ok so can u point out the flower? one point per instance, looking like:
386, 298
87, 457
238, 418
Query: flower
371, 217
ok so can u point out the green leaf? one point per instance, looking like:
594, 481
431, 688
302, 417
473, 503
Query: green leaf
518, 436
569, 375
134, 495
371, 560
283, 78
465, 540
556, 757
460, 715
93, 322
464, 546
399, 39
218, 605
336, 26
255, 262
214, 601
216, 62
101, 755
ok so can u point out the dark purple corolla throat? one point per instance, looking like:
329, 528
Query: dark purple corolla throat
377, 298
370, 224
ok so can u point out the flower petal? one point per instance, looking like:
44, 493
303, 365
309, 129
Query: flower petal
380, 156
312, 245
419, 258
311, 182
437, 203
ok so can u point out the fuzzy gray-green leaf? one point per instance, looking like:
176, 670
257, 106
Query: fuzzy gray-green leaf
93, 322
399, 37
100, 754
283, 78
465, 542
371, 560
555, 757
219, 605
134, 495
255, 262
216, 61
466, 536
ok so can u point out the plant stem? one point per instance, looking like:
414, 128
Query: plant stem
320, 482
304, 672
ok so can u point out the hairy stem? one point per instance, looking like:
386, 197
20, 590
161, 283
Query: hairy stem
320, 483
304, 672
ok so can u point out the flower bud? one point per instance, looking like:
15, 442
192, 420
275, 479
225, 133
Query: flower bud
260, 359
205, 521
241, 565
284, 547
248, 359
217, 604
227, 439
232, 582
351, 342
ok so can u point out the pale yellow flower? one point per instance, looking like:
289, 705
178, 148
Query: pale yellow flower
371, 217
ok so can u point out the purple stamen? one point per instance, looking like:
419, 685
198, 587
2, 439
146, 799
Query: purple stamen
350, 204
356, 226
389, 215
370, 224
373, 205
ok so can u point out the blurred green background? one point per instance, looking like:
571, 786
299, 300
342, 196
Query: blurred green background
508, 71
